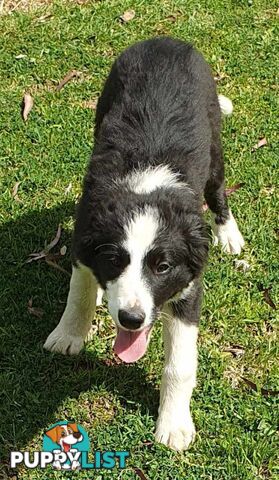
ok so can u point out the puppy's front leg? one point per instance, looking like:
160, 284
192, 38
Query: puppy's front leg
69, 335
175, 427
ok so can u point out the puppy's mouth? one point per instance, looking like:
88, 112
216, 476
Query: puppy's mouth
66, 446
130, 345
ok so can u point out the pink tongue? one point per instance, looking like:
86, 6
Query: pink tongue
130, 346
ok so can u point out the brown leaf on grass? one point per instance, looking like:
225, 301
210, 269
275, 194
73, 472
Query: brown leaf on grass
63, 250
147, 443
220, 76
14, 192
44, 253
268, 299
127, 16
174, 16
70, 75
228, 192
27, 105
261, 143
264, 391
91, 104
43, 18
37, 312
242, 265
55, 240
139, 472
53, 264
112, 362
235, 350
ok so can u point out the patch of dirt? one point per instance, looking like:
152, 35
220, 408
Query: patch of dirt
9, 6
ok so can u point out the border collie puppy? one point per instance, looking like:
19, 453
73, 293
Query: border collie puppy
139, 232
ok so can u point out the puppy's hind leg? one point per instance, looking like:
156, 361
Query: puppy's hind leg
224, 226
69, 335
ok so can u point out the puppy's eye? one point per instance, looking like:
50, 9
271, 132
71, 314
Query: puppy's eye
63, 433
115, 260
162, 268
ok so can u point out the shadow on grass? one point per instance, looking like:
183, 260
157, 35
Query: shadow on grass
34, 383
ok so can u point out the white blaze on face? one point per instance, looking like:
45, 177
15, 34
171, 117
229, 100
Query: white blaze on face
131, 289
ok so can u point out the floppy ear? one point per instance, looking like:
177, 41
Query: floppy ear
73, 426
53, 434
197, 240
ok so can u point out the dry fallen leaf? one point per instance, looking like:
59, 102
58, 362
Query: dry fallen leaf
91, 104
261, 143
228, 192
14, 192
67, 78
37, 312
264, 391
55, 240
242, 265
268, 299
43, 18
44, 253
140, 473
127, 16
63, 250
174, 16
21, 55
53, 264
147, 443
235, 350
220, 76
27, 106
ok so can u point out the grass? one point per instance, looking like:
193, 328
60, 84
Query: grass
117, 404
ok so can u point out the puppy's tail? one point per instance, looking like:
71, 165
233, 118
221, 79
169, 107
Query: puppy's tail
225, 105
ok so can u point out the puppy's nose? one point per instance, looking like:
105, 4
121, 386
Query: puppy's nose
77, 434
132, 318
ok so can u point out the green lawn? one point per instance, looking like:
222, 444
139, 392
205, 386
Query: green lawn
117, 404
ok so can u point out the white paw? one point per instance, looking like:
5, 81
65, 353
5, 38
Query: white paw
75, 465
61, 342
229, 236
178, 438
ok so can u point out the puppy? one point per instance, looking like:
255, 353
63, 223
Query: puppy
139, 232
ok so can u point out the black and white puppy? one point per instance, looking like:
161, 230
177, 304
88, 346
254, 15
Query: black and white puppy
139, 232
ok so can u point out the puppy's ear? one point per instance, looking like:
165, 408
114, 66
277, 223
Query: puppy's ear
53, 434
73, 426
196, 237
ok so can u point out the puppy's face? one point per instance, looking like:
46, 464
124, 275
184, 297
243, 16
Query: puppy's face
154, 260
65, 435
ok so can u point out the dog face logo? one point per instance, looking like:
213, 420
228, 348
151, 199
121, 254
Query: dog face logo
65, 435
66, 440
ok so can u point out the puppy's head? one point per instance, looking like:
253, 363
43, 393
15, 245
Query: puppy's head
144, 249
65, 435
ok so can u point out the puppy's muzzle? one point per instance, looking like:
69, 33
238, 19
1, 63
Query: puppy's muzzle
131, 319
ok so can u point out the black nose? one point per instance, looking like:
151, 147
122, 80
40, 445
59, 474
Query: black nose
131, 319
77, 434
